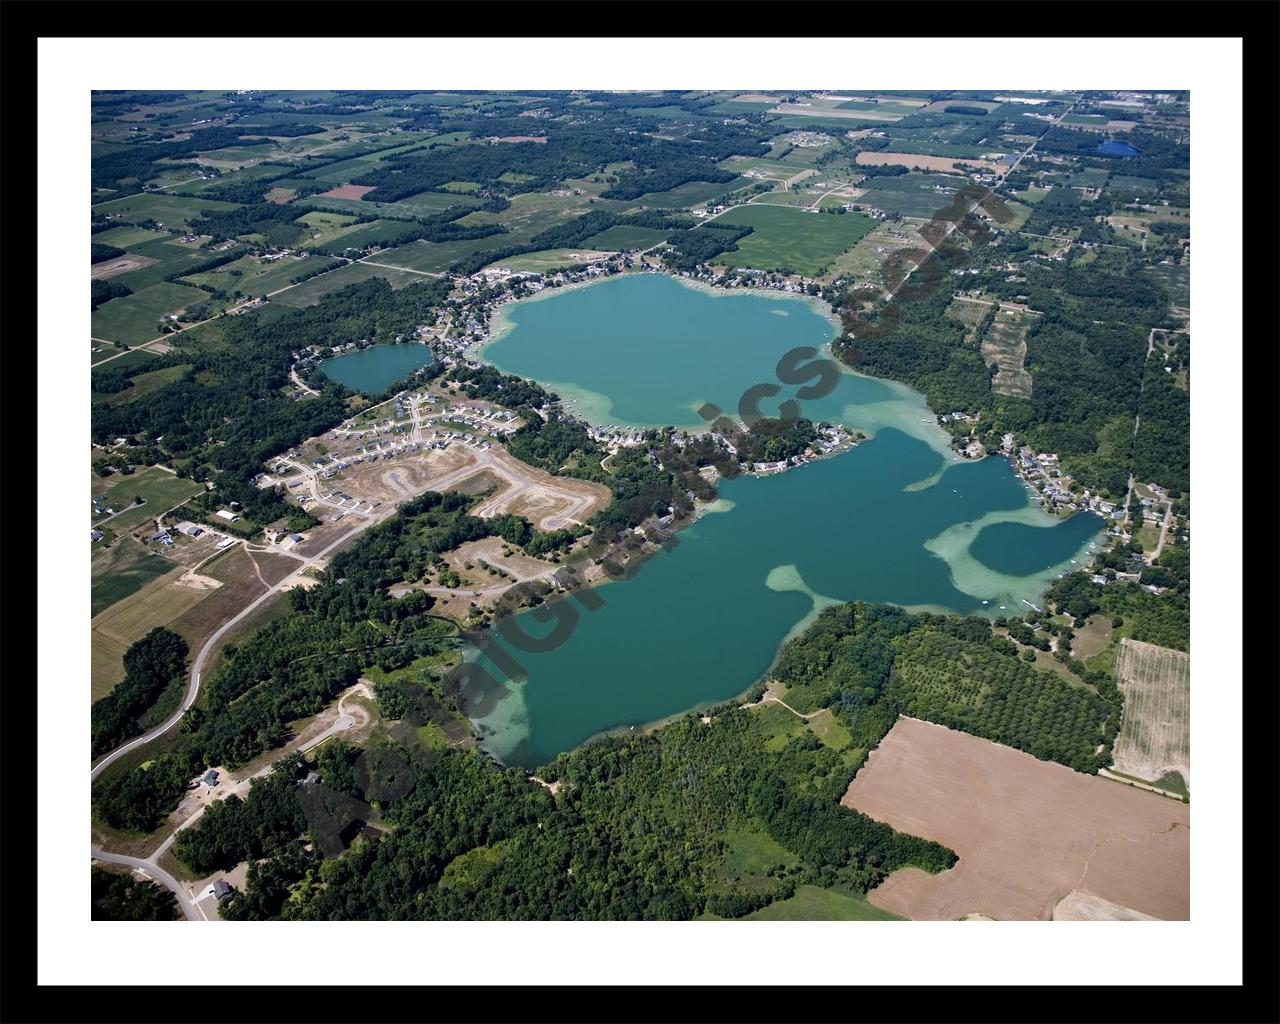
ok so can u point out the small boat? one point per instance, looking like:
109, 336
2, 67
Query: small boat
986, 602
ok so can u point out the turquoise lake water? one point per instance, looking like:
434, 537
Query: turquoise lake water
899, 518
373, 370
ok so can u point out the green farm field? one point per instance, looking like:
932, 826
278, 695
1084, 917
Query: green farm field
549, 259
257, 278
912, 195
133, 318
811, 903
143, 384
691, 193
120, 570
310, 292
159, 490
436, 257
170, 211
125, 236
130, 619
626, 237
781, 237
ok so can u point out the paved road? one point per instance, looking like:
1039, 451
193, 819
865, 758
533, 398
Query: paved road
149, 865
210, 645
159, 874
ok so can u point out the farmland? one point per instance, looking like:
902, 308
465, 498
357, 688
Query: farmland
310, 292
1005, 345
120, 570
783, 238
549, 259
626, 237
1155, 734
171, 211
135, 318
160, 491
988, 802
912, 195
254, 277
436, 257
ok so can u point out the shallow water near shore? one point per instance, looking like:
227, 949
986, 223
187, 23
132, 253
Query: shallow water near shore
899, 518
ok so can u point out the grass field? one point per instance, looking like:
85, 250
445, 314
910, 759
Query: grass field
912, 195
813, 904
436, 257
550, 259
159, 490
143, 384
118, 571
1155, 733
134, 318
531, 213
1005, 344
691, 193
625, 237
127, 236
170, 211
310, 292
129, 620
781, 237
1175, 280
257, 278
379, 232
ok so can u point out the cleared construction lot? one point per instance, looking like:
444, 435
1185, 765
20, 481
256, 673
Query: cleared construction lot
1028, 833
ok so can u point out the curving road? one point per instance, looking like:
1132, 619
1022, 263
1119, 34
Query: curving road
149, 865
197, 665
158, 874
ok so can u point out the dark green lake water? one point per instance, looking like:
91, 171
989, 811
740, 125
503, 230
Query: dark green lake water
373, 370
899, 518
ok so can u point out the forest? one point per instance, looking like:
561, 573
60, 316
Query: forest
114, 896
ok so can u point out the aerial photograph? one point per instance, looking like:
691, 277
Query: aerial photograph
638, 505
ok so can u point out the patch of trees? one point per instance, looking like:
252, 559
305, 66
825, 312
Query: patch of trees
1162, 446
152, 666
114, 896
687, 249
102, 292
1172, 569
960, 108
774, 439
100, 252
1161, 619
233, 830
275, 223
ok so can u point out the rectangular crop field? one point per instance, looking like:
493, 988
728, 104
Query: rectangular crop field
549, 259
690, 194
310, 292
625, 237
912, 195
1028, 832
171, 211
806, 243
1155, 734
126, 236
436, 257
256, 278
120, 570
135, 318
1005, 344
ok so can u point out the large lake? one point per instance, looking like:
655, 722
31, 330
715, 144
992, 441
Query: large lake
373, 370
899, 518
